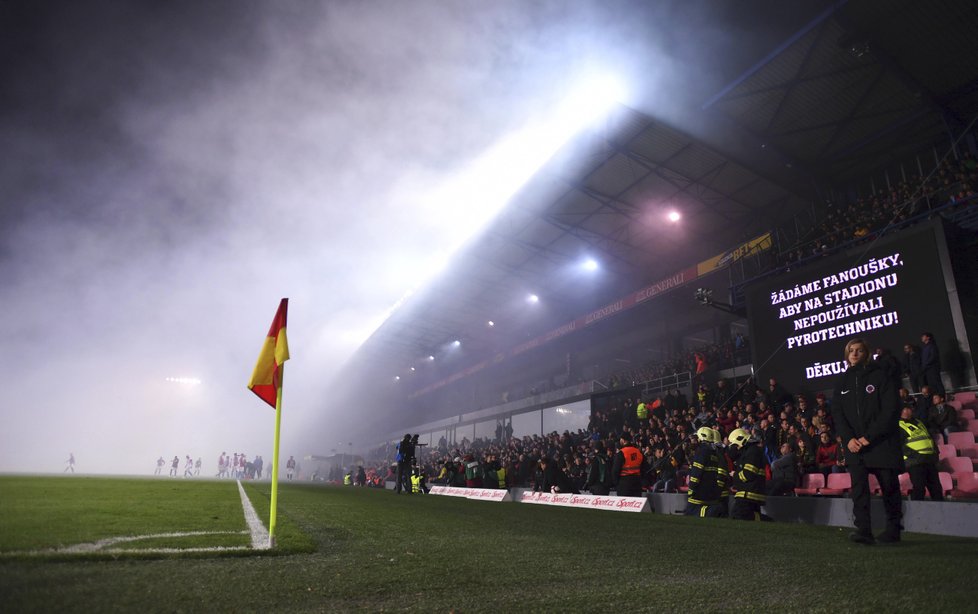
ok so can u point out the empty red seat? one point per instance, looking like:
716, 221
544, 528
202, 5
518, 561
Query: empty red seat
955, 404
947, 484
811, 484
973, 427
837, 484
965, 443
874, 485
967, 486
965, 397
946, 450
967, 414
956, 465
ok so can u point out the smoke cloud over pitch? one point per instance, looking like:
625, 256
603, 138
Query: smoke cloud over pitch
171, 170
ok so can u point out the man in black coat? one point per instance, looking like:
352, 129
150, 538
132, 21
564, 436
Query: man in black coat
554, 478
911, 366
930, 363
866, 412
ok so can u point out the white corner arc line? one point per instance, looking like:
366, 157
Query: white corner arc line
259, 534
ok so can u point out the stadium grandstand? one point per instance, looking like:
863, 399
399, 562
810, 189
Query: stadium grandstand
710, 264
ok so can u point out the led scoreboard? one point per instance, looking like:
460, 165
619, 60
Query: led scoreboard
887, 292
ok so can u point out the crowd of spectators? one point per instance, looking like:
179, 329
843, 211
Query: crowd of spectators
952, 185
716, 356
795, 430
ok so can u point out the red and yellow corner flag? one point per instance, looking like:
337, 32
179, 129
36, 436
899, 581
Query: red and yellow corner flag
267, 377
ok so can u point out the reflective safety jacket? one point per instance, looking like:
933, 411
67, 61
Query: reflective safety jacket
918, 445
415, 483
642, 411
749, 478
631, 461
707, 476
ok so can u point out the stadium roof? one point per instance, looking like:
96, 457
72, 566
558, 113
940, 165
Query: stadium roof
859, 86
862, 85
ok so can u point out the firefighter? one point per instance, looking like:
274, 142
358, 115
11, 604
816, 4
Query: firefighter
707, 477
748, 475
628, 468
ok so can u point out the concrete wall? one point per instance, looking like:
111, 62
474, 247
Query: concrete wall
955, 518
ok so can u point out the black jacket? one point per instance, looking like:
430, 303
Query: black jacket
865, 404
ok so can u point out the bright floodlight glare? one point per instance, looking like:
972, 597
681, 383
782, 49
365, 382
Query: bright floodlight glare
431, 357
192, 381
488, 183
590, 264
412, 368
533, 298
456, 343
673, 216
397, 378
491, 323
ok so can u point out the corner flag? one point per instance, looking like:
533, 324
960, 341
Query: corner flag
266, 380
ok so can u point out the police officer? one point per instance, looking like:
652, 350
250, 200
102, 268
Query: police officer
920, 456
748, 476
628, 468
707, 477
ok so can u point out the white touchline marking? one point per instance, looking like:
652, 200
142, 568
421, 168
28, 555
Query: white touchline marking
259, 534
102, 545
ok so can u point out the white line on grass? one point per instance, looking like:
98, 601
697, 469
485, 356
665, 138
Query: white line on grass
259, 534
103, 545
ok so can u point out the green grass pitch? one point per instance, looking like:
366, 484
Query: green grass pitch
348, 549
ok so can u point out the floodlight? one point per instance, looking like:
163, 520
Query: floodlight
590, 265
533, 298
490, 323
673, 216
431, 358
456, 343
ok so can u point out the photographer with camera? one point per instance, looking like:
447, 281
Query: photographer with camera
405, 456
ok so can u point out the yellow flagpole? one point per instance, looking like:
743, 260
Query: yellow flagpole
278, 425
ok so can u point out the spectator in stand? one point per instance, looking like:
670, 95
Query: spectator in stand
827, 455
727, 422
865, 409
906, 400
912, 366
930, 363
941, 418
784, 473
920, 456
804, 409
554, 479
923, 402
599, 473
806, 457
665, 466
776, 395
